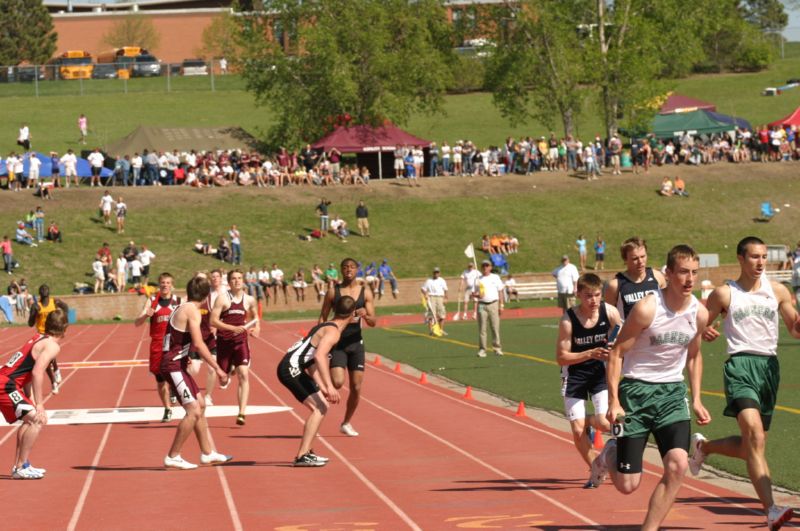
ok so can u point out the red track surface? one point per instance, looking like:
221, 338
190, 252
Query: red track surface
426, 459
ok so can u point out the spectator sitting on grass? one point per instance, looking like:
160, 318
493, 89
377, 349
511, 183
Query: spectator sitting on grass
23, 236
666, 187
680, 187
339, 227
224, 252
511, 288
53, 233
204, 248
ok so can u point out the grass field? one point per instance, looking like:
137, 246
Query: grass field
528, 373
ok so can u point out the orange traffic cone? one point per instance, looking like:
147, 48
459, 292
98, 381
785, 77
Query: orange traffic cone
423, 378
301, 332
598, 442
377, 361
520, 410
260, 311
397, 368
468, 393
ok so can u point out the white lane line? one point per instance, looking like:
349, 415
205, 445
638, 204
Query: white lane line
28, 333
237, 523
369, 484
76, 513
508, 418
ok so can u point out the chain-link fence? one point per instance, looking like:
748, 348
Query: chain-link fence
109, 78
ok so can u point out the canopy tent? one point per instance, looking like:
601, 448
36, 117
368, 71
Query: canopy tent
792, 118
182, 139
678, 103
695, 123
83, 168
365, 140
741, 123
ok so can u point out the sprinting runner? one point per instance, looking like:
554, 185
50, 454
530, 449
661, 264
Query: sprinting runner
582, 349
209, 332
157, 309
183, 333
28, 366
660, 337
633, 284
38, 317
305, 371
349, 352
229, 316
750, 306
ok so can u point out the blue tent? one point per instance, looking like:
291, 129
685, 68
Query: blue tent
741, 123
83, 167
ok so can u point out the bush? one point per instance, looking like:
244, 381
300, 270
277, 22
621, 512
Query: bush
468, 74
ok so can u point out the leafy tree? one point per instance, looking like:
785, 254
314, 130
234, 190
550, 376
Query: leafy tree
352, 61
26, 32
219, 39
766, 15
133, 30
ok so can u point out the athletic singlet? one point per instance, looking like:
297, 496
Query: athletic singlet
659, 353
630, 292
234, 315
584, 339
162, 309
301, 354
42, 313
352, 332
19, 368
751, 324
176, 345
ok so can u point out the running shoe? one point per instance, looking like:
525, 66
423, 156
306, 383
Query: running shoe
698, 456
481, 353
777, 516
317, 457
214, 458
308, 460
348, 430
240, 420
600, 466
55, 388
179, 463
25, 472
589, 485
498, 352
173, 399
57, 376
209, 401
167, 415
42, 471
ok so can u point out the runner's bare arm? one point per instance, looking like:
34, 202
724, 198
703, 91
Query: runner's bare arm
47, 352
787, 309
611, 292
717, 304
329, 338
145, 314
694, 366
564, 354
367, 313
327, 304
252, 315
193, 319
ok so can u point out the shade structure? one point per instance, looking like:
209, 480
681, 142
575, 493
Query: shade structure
678, 103
182, 139
695, 123
790, 119
735, 121
83, 168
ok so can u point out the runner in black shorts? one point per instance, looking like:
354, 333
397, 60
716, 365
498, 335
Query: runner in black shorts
305, 371
349, 352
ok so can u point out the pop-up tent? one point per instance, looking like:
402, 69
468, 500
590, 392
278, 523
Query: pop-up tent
792, 118
83, 168
741, 123
182, 139
678, 103
695, 123
367, 141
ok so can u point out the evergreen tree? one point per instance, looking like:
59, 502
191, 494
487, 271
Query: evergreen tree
26, 32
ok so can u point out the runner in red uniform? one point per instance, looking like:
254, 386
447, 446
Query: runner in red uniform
29, 364
183, 334
217, 289
229, 316
158, 309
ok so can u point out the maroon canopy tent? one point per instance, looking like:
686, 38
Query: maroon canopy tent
792, 119
678, 103
365, 140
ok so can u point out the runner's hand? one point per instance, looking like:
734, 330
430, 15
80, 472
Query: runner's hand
599, 353
223, 378
711, 332
239, 330
702, 414
332, 395
149, 312
41, 415
614, 411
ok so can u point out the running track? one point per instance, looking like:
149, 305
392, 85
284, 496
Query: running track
426, 459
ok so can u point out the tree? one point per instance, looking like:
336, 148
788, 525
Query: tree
133, 30
766, 15
349, 61
26, 32
219, 39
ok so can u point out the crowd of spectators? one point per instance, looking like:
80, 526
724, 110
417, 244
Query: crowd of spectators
130, 268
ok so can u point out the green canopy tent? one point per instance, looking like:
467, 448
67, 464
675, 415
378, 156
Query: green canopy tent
695, 123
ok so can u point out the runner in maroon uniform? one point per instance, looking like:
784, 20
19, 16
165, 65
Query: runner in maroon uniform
158, 309
183, 334
27, 365
230, 314
211, 338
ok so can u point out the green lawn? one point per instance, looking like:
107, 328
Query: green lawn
528, 373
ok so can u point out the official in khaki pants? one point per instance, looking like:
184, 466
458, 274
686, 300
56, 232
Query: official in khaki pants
489, 292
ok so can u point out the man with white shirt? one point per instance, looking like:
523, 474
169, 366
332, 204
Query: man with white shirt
488, 292
70, 162
566, 276
106, 202
136, 167
19, 170
145, 257
467, 284
278, 283
24, 138
96, 160
264, 281
435, 291
33, 169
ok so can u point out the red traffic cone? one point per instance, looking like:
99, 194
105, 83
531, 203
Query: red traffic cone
301, 332
468, 393
377, 361
397, 368
423, 378
598, 442
520, 410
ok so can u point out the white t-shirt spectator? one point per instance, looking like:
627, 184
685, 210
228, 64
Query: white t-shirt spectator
277, 275
435, 287
96, 159
146, 256
566, 277
136, 267
489, 287
263, 276
70, 161
122, 264
35, 164
470, 276
97, 268
105, 202
122, 209
136, 162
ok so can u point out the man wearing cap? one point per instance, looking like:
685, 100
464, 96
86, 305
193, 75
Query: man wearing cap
435, 290
489, 294
566, 276
385, 274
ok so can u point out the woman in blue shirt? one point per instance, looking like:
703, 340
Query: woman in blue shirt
599, 253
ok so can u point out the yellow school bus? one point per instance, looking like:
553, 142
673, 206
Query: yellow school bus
72, 64
123, 58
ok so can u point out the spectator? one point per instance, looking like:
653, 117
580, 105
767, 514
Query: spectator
489, 294
331, 275
55, 171
279, 283
8, 254
299, 285
362, 215
106, 202
96, 160
38, 223
122, 169
680, 187
99, 276
146, 257
339, 228
70, 162
580, 246
122, 212
485, 244
83, 128
566, 276
385, 274
264, 281
24, 137
252, 285
53, 233
223, 66
318, 281
371, 276
511, 288
322, 212
224, 252
121, 271
236, 245
666, 187
136, 272
34, 165
204, 248
23, 237
435, 292
599, 253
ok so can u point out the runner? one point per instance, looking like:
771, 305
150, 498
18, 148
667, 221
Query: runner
305, 371
157, 309
183, 333
660, 337
28, 365
229, 316
38, 317
750, 306
349, 352
582, 349
209, 332
636, 281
